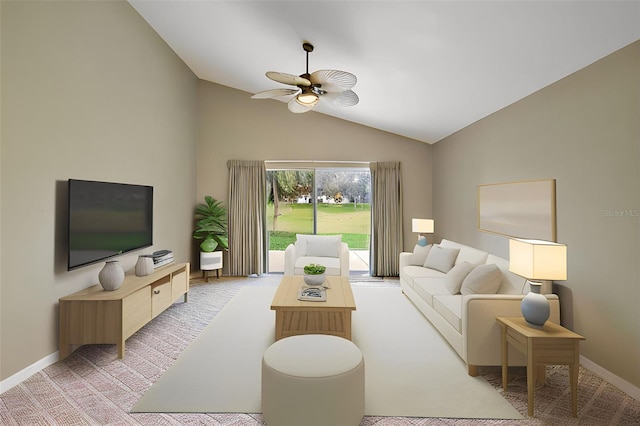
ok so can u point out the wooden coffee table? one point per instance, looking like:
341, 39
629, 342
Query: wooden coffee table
294, 317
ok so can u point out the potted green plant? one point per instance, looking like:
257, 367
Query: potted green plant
314, 274
212, 229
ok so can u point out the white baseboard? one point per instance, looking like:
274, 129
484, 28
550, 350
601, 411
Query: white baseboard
608, 376
25, 373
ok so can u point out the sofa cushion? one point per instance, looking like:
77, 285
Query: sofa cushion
410, 273
467, 254
331, 263
428, 287
301, 245
419, 254
318, 245
454, 278
483, 279
322, 248
511, 283
441, 258
450, 307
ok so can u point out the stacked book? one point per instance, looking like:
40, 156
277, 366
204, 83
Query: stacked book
161, 258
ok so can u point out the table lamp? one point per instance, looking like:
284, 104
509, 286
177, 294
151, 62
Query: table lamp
422, 226
541, 261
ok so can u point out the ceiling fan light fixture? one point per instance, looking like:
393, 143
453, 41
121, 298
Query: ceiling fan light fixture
307, 99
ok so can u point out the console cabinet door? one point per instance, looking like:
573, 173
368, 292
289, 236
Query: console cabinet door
136, 311
179, 284
160, 296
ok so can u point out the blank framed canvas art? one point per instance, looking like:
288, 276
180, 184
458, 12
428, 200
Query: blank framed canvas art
523, 209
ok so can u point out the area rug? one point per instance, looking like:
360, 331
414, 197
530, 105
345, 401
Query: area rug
410, 370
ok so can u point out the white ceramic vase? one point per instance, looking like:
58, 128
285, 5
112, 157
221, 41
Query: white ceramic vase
313, 280
535, 306
144, 266
111, 275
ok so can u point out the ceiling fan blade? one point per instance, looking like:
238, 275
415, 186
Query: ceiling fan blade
291, 79
275, 93
343, 99
294, 106
333, 80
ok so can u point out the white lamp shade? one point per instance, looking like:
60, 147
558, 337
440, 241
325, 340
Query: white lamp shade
422, 226
537, 259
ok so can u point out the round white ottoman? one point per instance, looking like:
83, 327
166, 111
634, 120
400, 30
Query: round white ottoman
313, 379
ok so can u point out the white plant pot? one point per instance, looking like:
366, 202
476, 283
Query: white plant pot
313, 280
111, 276
210, 260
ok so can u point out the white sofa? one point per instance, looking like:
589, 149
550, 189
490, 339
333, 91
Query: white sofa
326, 250
467, 321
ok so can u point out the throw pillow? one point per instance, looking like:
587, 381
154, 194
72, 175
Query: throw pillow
455, 277
324, 246
441, 258
484, 279
419, 254
301, 245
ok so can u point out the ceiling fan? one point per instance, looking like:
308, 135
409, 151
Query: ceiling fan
330, 85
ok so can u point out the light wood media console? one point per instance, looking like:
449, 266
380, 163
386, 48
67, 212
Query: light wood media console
94, 315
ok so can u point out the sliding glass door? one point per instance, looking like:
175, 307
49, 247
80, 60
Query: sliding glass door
289, 206
319, 201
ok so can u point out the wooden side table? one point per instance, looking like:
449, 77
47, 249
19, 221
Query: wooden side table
550, 344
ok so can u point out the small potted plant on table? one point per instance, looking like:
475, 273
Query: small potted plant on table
314, 274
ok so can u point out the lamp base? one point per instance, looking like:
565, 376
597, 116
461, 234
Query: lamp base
535, 306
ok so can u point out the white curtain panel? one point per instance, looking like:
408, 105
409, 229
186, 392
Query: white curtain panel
247, 217
386, 218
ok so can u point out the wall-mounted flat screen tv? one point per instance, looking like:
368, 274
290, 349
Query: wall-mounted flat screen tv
107, 219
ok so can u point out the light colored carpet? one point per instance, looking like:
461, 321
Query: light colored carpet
410, 371
93, 387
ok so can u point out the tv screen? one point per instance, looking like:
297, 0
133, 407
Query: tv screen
107, 219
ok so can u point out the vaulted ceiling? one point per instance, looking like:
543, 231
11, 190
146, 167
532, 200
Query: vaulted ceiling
425, 69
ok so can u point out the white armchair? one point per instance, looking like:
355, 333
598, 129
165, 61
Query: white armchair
326, 250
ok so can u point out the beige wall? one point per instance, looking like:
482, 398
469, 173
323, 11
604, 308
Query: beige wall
89, 91
235, 127
583, 131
